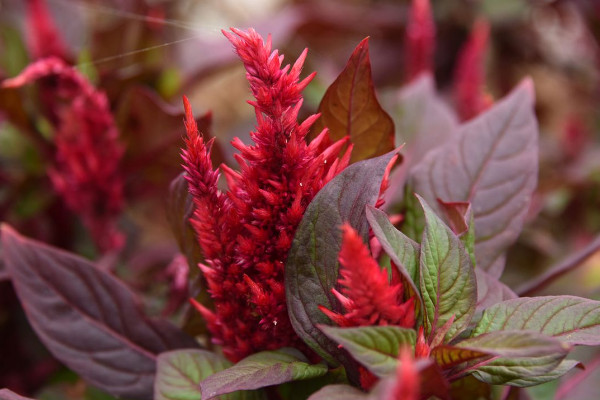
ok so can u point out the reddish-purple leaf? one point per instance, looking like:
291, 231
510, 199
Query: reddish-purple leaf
571, 319
350, 108
87, 318
491, 163
6, 394
312, 266
490, 290
423, 122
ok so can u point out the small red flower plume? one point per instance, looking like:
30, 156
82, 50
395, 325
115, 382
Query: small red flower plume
419, 40
246, 233
469, 76
86, 164
367, 296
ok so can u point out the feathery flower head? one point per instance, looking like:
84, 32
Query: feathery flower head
367, 296
86, 164
246, 233
419, 40
469, 76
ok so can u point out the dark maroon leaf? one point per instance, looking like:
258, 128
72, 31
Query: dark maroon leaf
491, 163
87, 318
350, 108
3, 272
6, 394
312, 265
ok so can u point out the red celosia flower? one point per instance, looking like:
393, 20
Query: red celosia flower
469, 76
43, 37
422, 348
85, 171
420, 40
246, 233
407, 385
367, 296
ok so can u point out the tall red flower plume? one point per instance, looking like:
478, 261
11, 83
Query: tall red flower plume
43, 38
419, 40
367, 296
86, 164
246, 233
469, 75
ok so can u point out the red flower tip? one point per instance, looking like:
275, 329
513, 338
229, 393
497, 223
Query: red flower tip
44, 40
407, 385
422, 349
367, 296
469, 76
420, 40
367, 378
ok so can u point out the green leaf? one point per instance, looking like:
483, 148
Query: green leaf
403, 251
491, 162
522, 354
350, 108
564, 367
459, 217
339, 392
570, 319
180, 372
414, 220
311, 269
448, 283
375, 347
262, 369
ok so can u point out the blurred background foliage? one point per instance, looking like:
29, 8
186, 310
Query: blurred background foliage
146, 54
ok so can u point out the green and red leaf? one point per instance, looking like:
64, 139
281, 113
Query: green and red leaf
570, 319
447, 278
260, 370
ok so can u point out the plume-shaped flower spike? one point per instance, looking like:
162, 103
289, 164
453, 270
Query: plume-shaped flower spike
86, 165
366, 294
419, 40
246, 233
469, 76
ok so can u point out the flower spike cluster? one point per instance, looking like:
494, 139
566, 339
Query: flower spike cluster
367, 295
246, 233
88, 152
44, 40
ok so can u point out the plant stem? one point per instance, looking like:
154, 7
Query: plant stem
555, 272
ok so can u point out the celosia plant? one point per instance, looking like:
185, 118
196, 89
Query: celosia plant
296, 294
